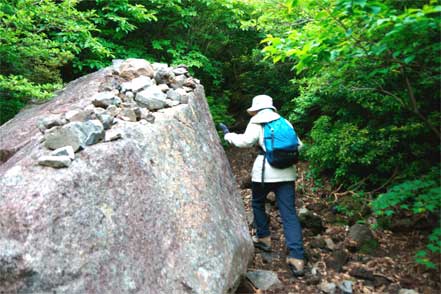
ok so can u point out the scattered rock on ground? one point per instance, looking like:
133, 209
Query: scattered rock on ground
337, 260
164, 75
136, 85
77, 115
318, 242
152, 98
127, 114
178, 82
330, 244
328, 287
407, 291
264, 280
180, 71
64, 151
345, 287
106, 119
112, 135
360, 237
133, 67
55, 161
93, 131
311, 221
50, 122
64, 136
362, 273
113, 110
104, 99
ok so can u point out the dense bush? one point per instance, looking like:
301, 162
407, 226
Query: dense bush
46, 43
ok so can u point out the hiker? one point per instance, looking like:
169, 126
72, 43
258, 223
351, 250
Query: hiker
266, 178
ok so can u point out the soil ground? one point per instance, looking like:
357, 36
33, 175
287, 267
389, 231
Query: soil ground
391, 265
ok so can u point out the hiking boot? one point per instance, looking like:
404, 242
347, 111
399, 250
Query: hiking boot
297, 266
262, 243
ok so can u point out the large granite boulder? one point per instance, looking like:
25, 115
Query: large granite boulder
150, 208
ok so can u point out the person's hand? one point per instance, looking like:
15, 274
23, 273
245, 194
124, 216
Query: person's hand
228, 137
224, 128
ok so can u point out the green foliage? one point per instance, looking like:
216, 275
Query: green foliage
355, 207
419, 196
39, 38
368, 96
219, 110
433, 248
17, 90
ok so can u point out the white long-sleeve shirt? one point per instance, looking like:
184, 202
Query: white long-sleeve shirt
254, 134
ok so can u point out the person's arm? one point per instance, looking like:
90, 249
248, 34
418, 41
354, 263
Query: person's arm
247, 139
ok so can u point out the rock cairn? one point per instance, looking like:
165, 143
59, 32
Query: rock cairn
140, 90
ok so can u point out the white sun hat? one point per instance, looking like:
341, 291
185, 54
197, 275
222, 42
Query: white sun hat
261, 102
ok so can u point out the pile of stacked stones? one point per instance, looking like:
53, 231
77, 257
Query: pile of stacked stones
145, 89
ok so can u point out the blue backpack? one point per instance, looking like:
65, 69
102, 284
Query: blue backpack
281, 143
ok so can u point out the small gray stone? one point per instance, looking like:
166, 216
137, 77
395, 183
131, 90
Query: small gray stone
171, 103
113, 110
407, 291
362, 273
180, 71
311, 221
55, 161
116, 63
98, 111
143, 113
64, 151
178, 82
66, 136
328, 287
190, 83
136, 84
138, 112
50, 122
337, 260
133, 67
150, 118
164, 87
186, 98
174, 95
128, 114
129, 95
104, 99
267, 256
129, 105
93, 130
164, 75
106, 119
112, 135
152, 98
157, 66
264, 280
330, 244
361, 234
77, 115
346, 287
187, 89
